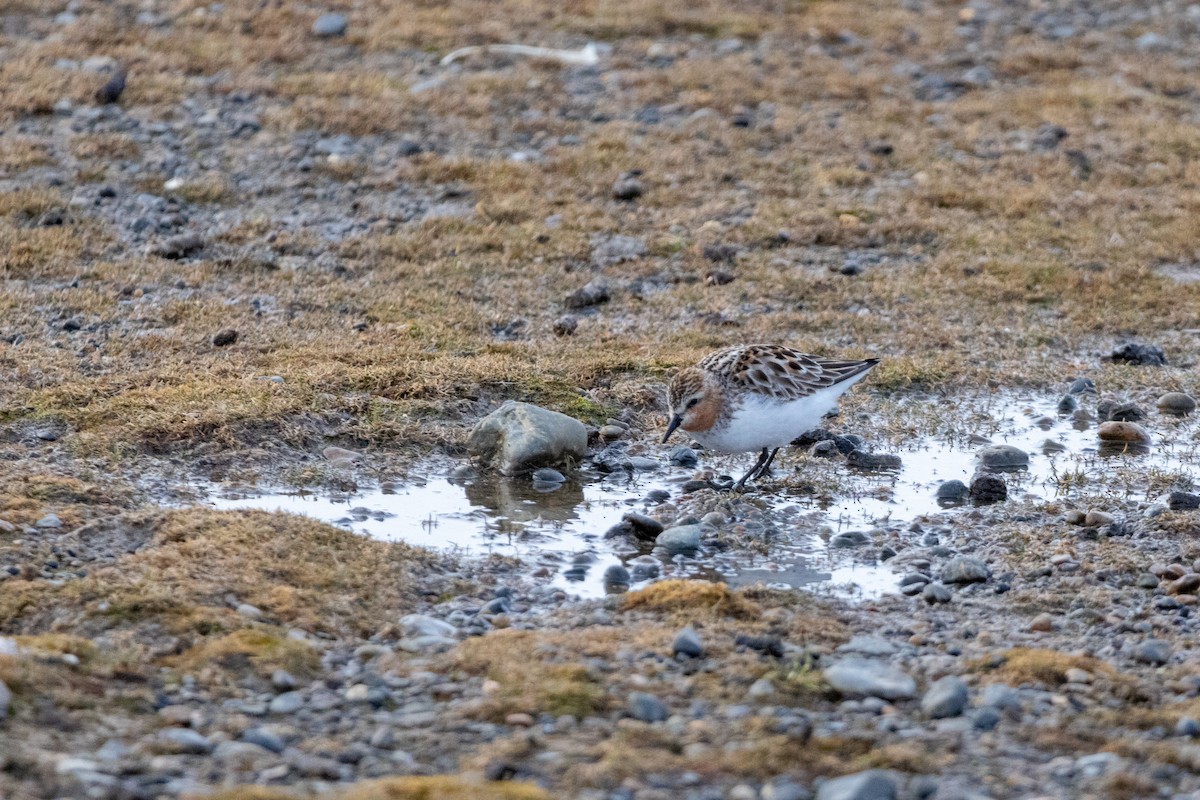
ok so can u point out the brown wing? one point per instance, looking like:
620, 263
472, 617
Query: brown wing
781, 372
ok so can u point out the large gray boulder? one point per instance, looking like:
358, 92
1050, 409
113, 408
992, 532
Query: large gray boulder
518, 438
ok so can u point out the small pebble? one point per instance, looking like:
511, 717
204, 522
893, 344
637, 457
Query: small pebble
224, 338
330, 25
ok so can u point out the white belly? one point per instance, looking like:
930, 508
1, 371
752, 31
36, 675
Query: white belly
767, 422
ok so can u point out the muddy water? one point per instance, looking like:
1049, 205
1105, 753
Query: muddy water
560, 533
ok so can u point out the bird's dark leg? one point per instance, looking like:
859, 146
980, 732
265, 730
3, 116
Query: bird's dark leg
763, 458
765, 469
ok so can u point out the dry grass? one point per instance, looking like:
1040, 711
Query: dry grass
298, 571
263, 651
435, 787
691, 598
555, 683
1049, 668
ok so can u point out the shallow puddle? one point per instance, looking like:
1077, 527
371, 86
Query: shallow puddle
560, 533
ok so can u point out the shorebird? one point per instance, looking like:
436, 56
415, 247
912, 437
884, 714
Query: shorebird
757, 397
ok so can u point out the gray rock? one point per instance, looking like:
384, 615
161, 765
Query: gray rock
1001, 696
985, 719
784, 789
1183, 501
1176, 403
1150, 355
424, 625
1153, 42
874, 461
176, 246
283, 680
616, 575
548, 475
953, 493
49, 521
286, 703
683, 456
185, 740
680, 540
1112, 410
566, 325
873, 784
644, 527
1003, 456
947, 697
1153, 651
1082, 386
5, 699
935, 593
592, 293
264, 738
867, 678
687, 643
964, 569
1187, 726
423, 644
327, 25
644, 464
247, 610
987, 489
519, 437
646, 707
628, 189
614, 249
850, 539
867, 645
241, 754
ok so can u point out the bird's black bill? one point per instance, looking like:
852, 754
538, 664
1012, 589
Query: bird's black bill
676, 421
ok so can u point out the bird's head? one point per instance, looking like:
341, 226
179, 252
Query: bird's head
694, 399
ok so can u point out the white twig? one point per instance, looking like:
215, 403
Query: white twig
585, 56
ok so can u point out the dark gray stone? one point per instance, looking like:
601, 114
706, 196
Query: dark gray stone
683, 456
947, 697
874, 461
680, 540
1003, 456
616, 575
953, 493
987, 489
964, 569
687, 643
1146, 355
935, 593
1183, 501
646, 707
593, 293
850, 539
1153, 651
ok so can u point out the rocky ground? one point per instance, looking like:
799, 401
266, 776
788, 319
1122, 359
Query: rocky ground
284, 244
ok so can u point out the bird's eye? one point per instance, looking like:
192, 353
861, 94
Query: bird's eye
691, 403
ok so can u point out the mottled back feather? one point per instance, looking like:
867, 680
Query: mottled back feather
780, 372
